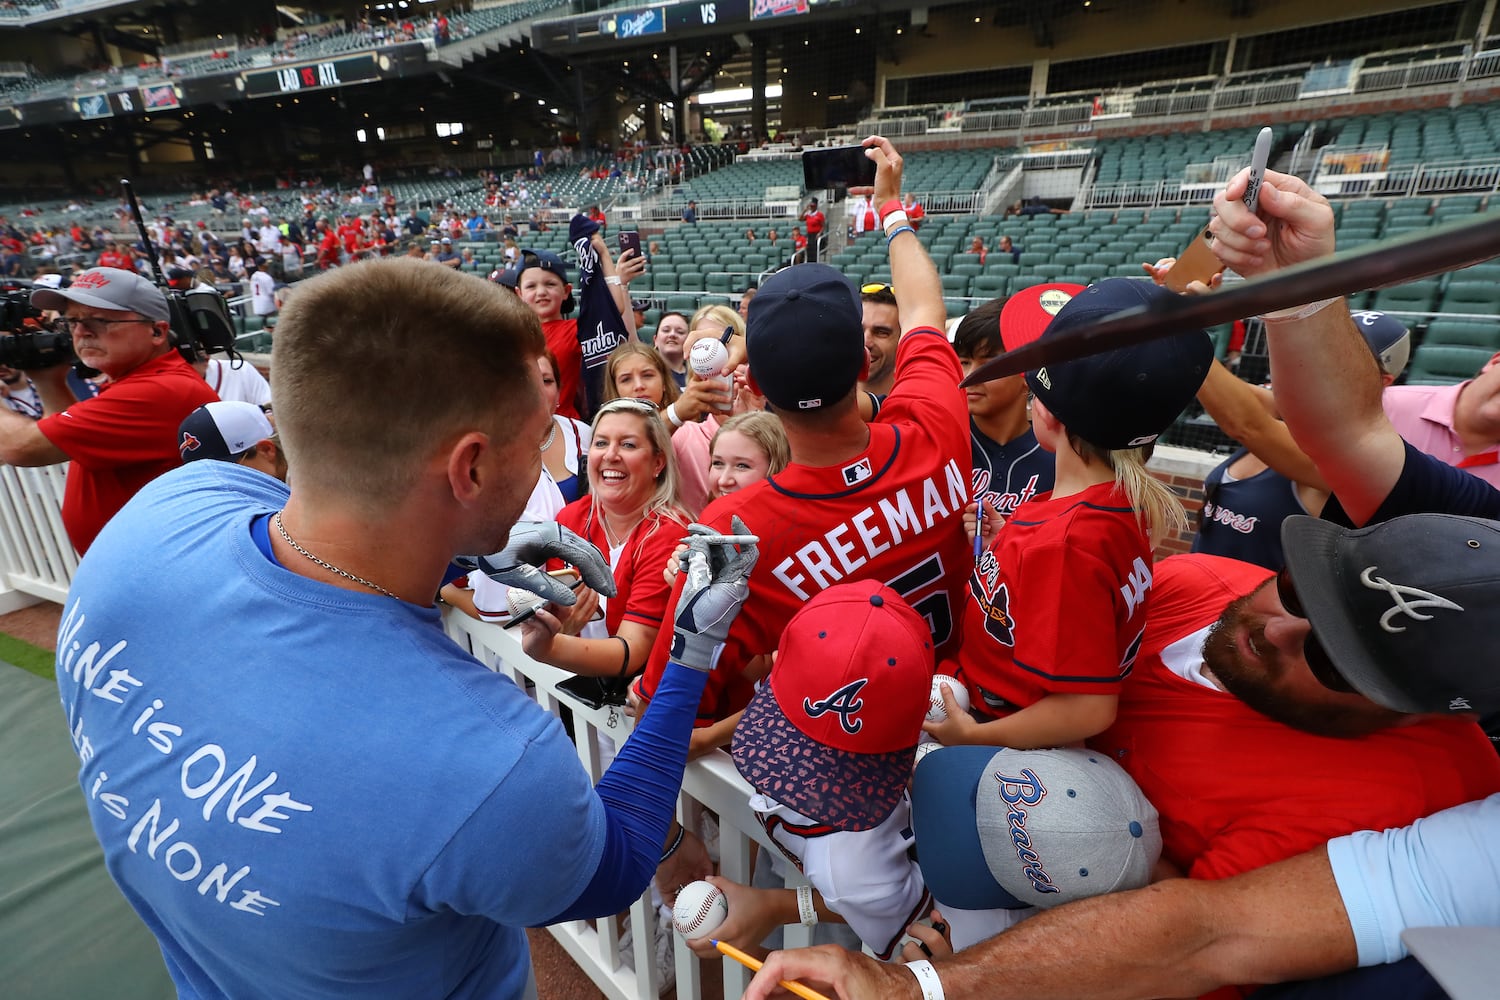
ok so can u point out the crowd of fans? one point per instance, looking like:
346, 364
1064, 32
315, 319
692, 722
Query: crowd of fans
1001, 534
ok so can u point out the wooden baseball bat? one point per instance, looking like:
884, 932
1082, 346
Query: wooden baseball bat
1392, 262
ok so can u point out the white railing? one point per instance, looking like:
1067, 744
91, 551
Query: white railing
36, 557
710, 783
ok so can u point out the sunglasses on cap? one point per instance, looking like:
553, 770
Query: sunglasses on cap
876, 287
638, 405
1318, 660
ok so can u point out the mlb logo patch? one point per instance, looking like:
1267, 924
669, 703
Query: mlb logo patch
858, 472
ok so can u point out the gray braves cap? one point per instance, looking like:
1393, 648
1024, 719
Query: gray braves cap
1404, 609
106, 288
1005, 829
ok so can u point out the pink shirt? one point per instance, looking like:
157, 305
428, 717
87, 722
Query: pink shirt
1423, 415
693, 445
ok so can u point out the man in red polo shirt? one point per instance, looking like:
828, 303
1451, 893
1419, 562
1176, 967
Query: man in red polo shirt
126, 436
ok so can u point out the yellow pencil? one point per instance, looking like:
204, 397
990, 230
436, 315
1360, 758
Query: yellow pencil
754, 964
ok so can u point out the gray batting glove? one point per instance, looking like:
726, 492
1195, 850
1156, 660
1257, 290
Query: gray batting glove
718, 575
531, 544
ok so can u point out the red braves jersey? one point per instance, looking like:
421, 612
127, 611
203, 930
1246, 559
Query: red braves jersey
1057, 605
121, 439
814, 221
893, 513
562, 341
1237, 790
640, 586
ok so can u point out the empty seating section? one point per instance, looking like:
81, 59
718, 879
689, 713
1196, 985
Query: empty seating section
1166, 157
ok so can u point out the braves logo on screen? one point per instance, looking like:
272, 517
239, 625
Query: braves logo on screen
845, 703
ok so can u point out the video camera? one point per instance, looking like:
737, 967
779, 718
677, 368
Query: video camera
29, 344
200, 321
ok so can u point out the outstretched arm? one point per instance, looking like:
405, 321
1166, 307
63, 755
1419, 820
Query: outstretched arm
1181, 937
914, 279
1323, 374
1241, 412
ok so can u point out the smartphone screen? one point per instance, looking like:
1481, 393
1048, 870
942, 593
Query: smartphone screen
837, 167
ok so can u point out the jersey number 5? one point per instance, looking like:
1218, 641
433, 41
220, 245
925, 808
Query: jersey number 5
932, 605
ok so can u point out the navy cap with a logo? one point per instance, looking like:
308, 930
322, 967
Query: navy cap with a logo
1405, 609
1126, 397
805, 337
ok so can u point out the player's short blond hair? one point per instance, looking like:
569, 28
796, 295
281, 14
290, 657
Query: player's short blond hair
376, 364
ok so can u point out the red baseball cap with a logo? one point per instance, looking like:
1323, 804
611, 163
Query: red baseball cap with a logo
833, 732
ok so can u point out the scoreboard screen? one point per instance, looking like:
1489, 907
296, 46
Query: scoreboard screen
312, 76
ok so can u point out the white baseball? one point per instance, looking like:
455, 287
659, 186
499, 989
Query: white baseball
935, 710
700, 909
522, 601
923, 749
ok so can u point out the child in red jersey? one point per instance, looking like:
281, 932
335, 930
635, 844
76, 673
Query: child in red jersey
1058, 602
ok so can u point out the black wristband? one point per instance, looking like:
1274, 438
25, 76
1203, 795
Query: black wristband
676, 843
625, 661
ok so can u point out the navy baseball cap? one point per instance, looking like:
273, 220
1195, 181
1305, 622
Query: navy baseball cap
1002, 829
805, 337
547, 261
1126, 397
1403, 609
223, 430
1388, 338
834, 730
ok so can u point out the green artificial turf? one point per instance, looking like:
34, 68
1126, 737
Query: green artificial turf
29, 658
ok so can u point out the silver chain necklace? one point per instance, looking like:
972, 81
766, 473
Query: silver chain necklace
330, 567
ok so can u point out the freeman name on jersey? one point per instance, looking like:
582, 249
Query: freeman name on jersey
885, 524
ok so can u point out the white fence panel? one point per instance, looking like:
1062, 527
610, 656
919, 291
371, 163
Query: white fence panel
710, 783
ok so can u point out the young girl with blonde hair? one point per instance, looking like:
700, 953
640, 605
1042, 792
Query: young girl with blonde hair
1058, 599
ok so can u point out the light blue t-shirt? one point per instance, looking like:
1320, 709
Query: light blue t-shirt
1442, 871
306, 791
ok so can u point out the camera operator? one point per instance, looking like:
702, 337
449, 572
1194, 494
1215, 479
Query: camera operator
126, 436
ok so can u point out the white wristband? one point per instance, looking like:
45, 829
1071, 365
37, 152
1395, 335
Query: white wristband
896, 218
672, 415
805, 908
1300, 312
927, 978
611, 279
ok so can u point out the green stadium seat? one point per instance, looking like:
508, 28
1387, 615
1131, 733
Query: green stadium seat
1415, 297
1472, 297
955, 284
1440, 364
991, 286
1463, 333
